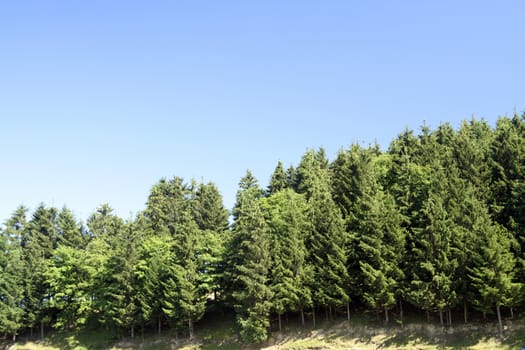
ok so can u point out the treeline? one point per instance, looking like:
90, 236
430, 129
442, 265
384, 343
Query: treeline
436, 221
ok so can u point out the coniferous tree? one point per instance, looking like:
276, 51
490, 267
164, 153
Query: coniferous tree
212, 219
285, 213
508, 179
191, 291
117, 299
38, 242
432, 282
493, 272
250, 263
279, 180
381, 248
151, 271
327, 240
11, 272
69, 231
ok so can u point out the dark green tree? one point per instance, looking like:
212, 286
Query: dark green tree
250, 259
285, 213
38, 242
279, 180
69, 232
493, 274
327, 240
11, 273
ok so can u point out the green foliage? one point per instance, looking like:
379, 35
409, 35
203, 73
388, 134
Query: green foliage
285, 214
437, 220
327, 240
250, 269
11, 273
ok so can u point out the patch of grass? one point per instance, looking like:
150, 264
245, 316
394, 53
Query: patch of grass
364, 331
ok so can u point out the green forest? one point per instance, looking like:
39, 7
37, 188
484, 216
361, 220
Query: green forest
433, 224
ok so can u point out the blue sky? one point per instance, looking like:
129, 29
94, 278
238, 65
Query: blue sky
100, 99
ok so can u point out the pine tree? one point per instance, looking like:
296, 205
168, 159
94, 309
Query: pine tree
69, 231
381, 249
278, 180
327, 241
432, 282
251, 263
212, 219
151, 272
117, 296
192, 292
38, 242
493, 273
285, 213
11, 272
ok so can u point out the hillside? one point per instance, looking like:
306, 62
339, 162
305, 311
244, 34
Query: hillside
363, 332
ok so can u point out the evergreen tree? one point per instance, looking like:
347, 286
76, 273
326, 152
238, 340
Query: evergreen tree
381, 248
250, 263
493, 273
151, 272
285, 213
69, 231
278, 180
11, 272
191, 291
38, 242
327, 240
212, 219
117, 296
432, 282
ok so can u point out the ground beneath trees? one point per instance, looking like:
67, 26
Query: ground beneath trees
362, 332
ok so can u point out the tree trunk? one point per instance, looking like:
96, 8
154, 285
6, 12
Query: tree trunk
450, 317
142, 331
280, 327
42, 330
386, 315
190, 327
158, 324
465, 311
14, 337
511, 312
302, 317
401, 311
132, 332
441, 317
348, 309
428, 316
313, 315
326, 312
31, 332
499, 322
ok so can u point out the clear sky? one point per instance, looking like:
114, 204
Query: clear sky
100, 99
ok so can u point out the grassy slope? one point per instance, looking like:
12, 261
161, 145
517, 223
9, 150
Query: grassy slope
363, 332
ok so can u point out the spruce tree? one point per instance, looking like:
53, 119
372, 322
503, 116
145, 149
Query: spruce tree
11, 273
381, 249
212, 219
117, 297
327, 241
493, 274
285, 213
250, 263
279, 180
38, 242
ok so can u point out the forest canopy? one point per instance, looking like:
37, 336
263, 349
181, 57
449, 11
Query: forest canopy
436, 221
